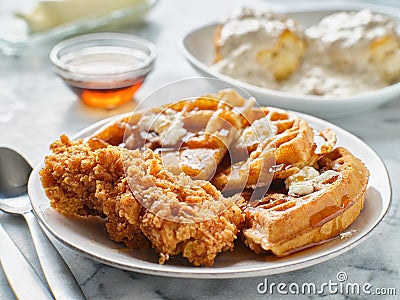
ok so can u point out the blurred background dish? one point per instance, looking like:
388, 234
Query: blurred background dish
43, 21
199, 49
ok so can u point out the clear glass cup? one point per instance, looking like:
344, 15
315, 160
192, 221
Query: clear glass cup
104, 69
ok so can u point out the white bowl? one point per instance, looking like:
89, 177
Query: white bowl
198, 49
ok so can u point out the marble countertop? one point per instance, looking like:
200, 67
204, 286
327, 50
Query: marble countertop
35, 108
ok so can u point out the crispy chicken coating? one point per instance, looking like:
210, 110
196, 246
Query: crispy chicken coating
83, 182
175, 213
183, 215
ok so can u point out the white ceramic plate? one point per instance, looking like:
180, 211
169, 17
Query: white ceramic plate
198, 49
87, 235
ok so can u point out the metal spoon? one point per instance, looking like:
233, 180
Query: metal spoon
14, 174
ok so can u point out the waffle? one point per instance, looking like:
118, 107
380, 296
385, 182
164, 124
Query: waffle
291, 146
312, 207
259, 139
191, 136
276, 44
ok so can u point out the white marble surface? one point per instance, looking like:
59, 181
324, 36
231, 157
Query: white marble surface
35, 108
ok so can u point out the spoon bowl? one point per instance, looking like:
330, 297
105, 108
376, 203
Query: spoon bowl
14, 173
15, 205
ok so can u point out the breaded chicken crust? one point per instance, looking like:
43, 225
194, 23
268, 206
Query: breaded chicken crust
182, 215
83, 181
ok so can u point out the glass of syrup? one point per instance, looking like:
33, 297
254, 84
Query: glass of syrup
104, 69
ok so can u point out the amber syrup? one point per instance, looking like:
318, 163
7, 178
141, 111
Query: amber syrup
94, 95
107, 79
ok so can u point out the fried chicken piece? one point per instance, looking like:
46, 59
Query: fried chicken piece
68, 178
123, 211
81, 181
183, 215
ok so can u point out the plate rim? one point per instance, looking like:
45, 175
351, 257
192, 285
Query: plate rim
389, 92
207, 273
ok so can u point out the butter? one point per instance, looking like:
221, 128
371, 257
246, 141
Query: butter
51, 13
304, 181
259, 131
168, 125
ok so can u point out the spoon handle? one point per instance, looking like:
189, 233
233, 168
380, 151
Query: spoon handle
22, 278
58, 275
